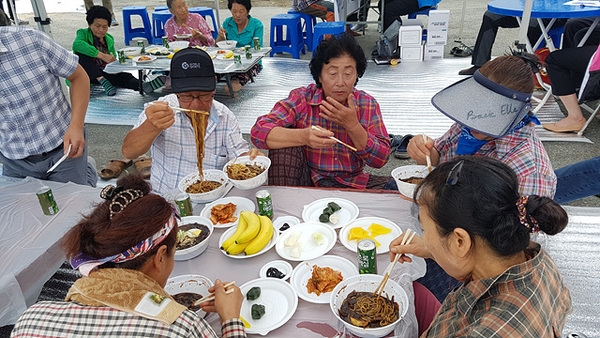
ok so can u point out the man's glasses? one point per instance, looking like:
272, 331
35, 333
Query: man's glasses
454, 173
189, 98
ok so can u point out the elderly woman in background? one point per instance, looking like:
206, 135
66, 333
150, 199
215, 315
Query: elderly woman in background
183, 22
125, 249
96, 48
477, 226
243, 28
299, 129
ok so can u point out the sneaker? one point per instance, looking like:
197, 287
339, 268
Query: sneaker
114, 22
358, 27
469, 71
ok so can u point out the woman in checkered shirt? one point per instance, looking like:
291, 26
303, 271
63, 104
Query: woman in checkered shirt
125, 249
478, 228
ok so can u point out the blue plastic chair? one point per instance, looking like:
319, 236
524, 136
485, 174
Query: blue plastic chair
325, 28
308, 24
422, 11
129, 31
293, 42
160, 8
207, 12
158, 22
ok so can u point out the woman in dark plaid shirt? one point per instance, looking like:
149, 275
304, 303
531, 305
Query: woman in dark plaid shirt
477, 227
125, 250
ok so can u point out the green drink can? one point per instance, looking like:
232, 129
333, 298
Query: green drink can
121, 55
265, 203
46, 198
165, 41
256, 42
142, 46
367, 256
184, 205
237, 59
248, 52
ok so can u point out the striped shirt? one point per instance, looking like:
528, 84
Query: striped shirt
35, 111
195, 21
528, 300
301, 110
521, 150
174, 149
69, 319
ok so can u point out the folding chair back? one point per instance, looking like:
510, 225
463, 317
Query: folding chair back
590, 88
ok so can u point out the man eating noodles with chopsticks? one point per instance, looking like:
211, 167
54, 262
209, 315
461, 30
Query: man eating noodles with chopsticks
166, 126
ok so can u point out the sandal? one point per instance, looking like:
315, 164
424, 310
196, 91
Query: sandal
402, 143
143, 165
114, 168
462, 51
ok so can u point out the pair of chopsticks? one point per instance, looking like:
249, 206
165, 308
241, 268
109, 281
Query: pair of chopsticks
408, 237
60, 160
211, 296
336, 139
190, 110
429, 167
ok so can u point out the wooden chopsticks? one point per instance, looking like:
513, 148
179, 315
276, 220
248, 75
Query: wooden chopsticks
429, 167
337, 140
408, 237
211, 296
188, 110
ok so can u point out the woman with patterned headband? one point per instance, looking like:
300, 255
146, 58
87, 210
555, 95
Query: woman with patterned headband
125, 249
477, 226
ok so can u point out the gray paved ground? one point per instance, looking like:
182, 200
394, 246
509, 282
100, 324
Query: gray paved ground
105, 141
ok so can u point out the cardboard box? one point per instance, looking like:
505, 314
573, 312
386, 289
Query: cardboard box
437, 37
410, 36
439, 19
433, 52
411, 52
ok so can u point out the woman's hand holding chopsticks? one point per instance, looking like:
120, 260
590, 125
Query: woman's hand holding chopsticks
416, 247
227, 301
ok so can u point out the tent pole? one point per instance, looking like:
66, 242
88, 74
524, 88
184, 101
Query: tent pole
41, 17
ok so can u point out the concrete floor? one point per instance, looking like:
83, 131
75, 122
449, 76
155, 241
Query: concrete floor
105, 141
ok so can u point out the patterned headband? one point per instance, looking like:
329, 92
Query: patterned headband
86, 263
119, 198
525, 219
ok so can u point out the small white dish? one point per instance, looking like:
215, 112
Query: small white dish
364, 223
241, 203
223, 58
232, 230
281, 265
281, 220
308, 248
145, 58
347, 213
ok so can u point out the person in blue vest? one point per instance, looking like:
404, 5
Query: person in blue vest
394, 9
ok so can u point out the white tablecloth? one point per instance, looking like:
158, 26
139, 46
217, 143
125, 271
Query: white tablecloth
312, 320
29, 240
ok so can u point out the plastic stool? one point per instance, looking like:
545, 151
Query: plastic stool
145, 31
294, 40
324, 28
206, 12
158, 23
160, 8
422, 11
308, 24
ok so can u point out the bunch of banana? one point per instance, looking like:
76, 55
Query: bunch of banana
252, 234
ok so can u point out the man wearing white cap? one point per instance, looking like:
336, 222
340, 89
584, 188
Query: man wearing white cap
493, 119
169, 134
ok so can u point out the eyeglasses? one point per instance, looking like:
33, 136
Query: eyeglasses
189, 98
454, 173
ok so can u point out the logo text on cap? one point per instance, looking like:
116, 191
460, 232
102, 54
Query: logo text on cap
191, 65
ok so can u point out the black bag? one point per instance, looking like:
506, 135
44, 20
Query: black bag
387, 45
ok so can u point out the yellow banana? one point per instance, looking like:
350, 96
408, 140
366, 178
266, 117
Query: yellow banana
262, 239
251, 230
235, 249
242, 225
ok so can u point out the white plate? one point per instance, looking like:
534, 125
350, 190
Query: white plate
348, 213
281, 265
230, 232
365, 222
280, 301
189, 283
183, 36
290, 220
241, 203
223, 58
310, 249
137, 58
303, 271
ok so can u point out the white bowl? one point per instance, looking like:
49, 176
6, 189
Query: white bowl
368, 283
253, 182
227, 44
189, 283
177, 45
401, 173
210, 175
281, 265
131, 51
191, 252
